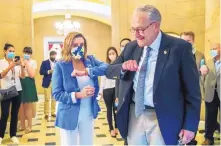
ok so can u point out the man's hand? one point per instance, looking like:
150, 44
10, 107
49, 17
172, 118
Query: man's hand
204, 70
130, 65
50, 71
79, 73
186, 136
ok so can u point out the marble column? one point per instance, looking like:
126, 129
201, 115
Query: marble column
120, 21
16, 24
212, 24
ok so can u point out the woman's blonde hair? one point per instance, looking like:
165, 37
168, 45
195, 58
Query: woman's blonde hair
68, 41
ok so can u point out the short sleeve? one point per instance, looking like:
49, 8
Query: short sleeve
1, 66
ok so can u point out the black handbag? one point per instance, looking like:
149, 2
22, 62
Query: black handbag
9, 93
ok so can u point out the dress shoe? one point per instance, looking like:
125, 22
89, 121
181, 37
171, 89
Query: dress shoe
208, 142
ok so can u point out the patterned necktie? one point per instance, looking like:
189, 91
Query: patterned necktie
139, 93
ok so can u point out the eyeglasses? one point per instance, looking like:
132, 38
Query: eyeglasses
140, 30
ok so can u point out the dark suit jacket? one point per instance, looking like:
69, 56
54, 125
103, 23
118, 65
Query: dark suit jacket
117, 83
45, 67
176, 91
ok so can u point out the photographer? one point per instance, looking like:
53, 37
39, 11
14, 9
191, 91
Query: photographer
11, 71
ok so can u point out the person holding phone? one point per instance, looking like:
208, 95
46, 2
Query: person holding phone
107, 90
11, 72
29, 92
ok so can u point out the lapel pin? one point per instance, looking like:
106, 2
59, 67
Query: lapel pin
165, 52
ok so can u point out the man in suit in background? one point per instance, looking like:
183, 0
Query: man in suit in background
159, 93
211, 70
123, 43
189, 36
46, 70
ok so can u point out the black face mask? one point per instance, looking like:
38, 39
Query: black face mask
52, 59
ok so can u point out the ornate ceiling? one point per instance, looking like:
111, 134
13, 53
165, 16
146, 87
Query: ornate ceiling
99, 10
104, 2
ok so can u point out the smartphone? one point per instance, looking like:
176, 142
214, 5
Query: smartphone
17, 58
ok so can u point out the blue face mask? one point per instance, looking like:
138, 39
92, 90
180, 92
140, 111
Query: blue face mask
116, 104
26, 56
11, 55
213, 53
77, 52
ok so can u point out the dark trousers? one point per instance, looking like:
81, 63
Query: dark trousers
211, 117
5, 107
125, 142
109, 99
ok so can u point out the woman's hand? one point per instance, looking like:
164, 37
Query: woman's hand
85, 92
79, 73
11, 64
22, 63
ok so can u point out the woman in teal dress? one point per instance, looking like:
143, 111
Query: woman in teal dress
29, 92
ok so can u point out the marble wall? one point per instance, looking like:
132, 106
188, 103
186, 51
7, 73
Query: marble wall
177, 16
16, 24
212, 24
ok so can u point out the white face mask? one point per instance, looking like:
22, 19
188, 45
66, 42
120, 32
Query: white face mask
121, 49
193, 50
112, 57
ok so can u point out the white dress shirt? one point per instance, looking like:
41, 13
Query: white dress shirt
52, 64
151, 65
12, 78
106, 84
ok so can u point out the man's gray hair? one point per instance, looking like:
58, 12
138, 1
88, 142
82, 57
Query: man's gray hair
152, 12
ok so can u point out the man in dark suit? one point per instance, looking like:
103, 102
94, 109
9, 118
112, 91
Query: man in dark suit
189, 36
123, 43
159, 95
46, 70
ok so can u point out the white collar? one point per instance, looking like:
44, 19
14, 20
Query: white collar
156, 43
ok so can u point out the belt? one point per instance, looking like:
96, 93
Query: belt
145, 106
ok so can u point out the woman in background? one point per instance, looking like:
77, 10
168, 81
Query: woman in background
75, 86
123, 43
11, 71
29, 92
108, 92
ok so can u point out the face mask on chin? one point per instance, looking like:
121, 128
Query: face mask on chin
121, 49
52, 59
112, 57
193, 50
